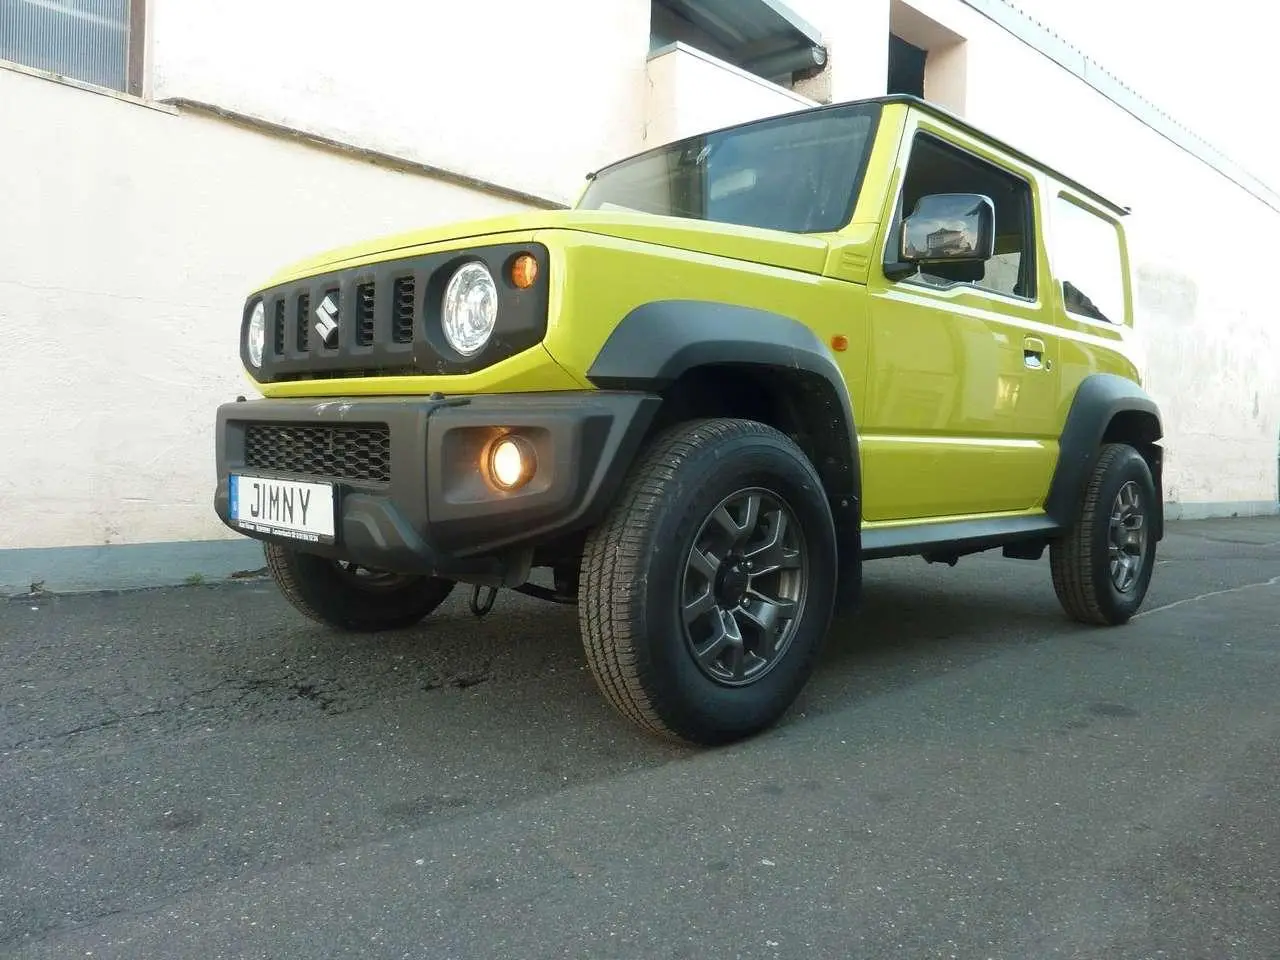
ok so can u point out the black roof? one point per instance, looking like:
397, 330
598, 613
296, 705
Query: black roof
1008, 148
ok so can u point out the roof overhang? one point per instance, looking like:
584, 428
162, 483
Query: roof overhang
765, 37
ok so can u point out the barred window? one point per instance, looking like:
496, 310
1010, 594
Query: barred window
95, 41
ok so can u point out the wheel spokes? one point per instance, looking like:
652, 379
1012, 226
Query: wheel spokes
744, 584
1127, 548
725, 635
774, 554
767, 617
705, 563
739, 532
702, 604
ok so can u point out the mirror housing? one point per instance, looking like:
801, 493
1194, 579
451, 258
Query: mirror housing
949, 228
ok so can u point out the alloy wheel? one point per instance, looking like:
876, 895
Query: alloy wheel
1127, 542
744, 586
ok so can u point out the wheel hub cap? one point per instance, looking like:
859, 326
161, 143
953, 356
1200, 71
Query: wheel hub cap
744, 587
732, 583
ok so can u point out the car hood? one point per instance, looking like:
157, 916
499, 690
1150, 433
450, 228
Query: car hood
805, 253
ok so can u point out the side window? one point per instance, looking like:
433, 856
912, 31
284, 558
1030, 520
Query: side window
1085, 258
937, 167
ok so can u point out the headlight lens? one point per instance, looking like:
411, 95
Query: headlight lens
257, 334
470, 308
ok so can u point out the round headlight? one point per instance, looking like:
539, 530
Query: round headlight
470, 308
257, 334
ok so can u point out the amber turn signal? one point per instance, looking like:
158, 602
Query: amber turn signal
839, 342
524, 271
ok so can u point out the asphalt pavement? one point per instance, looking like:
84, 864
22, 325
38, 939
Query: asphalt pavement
199, 772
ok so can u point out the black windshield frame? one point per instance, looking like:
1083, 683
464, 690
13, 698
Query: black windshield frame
685, 153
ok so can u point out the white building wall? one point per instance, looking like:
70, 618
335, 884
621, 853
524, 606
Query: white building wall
130, 237
856, 35
529, 95
690, 92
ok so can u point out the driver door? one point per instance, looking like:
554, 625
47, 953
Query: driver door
960, 408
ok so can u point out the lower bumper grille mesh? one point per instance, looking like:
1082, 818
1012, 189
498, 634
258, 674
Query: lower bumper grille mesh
348, 452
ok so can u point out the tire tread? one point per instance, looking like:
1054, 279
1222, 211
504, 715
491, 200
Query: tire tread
341, 606
1071, 559
611, 589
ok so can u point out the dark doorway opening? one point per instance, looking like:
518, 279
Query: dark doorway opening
906, 67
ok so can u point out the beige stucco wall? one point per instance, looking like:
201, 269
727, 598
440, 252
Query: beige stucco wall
129, 238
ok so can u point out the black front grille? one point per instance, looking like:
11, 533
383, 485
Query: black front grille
304, 308
384, 319
279, 328
347, 452
402, 319
364, 314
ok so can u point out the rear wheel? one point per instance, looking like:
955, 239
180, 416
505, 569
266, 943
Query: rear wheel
1102, 568
351, 597
706, 593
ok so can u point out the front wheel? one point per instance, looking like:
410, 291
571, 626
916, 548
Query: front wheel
350, 597
706, 593
1102, 568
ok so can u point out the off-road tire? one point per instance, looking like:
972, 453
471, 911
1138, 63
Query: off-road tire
322, 591
1081, 562
634, 574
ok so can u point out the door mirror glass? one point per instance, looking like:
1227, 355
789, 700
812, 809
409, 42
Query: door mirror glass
950, 228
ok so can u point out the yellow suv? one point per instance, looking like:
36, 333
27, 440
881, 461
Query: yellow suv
740, 366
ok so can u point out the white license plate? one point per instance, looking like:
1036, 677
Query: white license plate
287, 508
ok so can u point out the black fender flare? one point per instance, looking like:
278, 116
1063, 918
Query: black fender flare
1104, 404
658, 342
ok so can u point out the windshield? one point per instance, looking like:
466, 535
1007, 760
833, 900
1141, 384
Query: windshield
799, 173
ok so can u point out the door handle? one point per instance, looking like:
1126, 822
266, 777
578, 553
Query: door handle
1033, 352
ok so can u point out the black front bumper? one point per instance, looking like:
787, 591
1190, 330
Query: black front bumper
427, 507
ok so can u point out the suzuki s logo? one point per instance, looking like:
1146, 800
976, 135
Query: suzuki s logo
327, 321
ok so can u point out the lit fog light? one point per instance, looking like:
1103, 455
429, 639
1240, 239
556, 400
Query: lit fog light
511, 463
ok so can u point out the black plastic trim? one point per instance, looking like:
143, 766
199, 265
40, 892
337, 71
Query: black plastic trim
954, 538
584, 443
521, 322
656, 343
1098, 400
437, 515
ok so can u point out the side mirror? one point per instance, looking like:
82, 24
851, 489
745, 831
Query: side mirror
950, 228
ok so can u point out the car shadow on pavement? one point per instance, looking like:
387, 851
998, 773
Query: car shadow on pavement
239, 656
914, 622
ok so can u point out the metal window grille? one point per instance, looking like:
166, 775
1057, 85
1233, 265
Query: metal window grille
85, 40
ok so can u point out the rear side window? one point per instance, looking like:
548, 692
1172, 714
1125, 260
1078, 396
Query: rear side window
1085, 252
